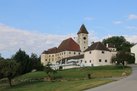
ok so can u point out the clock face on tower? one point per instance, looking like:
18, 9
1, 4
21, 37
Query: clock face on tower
84, 38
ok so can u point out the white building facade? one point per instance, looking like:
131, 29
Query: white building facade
97, 54
134, 50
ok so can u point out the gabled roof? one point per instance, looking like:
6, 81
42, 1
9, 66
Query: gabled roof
51, 50
69, 45
83, 29
97, 46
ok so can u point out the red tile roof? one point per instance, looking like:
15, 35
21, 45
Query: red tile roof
66, 45
83, 29
97, 46
69, 45
51, 50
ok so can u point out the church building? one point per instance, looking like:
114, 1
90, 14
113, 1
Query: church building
76, 53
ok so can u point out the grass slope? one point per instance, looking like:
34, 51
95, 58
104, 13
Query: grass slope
68, 80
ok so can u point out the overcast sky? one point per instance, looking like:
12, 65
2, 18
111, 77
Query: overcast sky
36, 25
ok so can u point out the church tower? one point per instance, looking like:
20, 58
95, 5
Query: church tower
83, 38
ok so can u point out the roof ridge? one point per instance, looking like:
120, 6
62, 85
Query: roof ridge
97, 45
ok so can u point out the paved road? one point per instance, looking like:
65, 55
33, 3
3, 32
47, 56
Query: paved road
126, 84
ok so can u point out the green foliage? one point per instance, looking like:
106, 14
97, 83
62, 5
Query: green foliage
120, 43
8, 69
23, 59
35, 62
27, 64
49, 71
122, 57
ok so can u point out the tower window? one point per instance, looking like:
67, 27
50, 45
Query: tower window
99, 60
105, 60
84, 38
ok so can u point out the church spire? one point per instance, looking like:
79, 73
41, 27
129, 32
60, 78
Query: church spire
83, 29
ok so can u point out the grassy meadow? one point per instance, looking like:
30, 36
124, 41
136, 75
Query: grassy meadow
75, 79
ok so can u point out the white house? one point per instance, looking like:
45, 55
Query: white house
134, 50
97, 54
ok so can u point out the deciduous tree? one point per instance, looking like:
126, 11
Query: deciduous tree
8, 69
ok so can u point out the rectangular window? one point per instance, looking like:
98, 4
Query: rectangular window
74, 52
90, 61
99, 60
69, 52
105, 60
45, 59
85, 61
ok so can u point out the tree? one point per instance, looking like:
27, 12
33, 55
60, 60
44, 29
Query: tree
1, 58
120, 43
8, 69
49, 71
35, 62
122, 58
23, 59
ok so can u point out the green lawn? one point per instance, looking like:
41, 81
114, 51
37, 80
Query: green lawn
57, 86
67, 80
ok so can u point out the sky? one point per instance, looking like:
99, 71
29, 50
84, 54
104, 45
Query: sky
36, 25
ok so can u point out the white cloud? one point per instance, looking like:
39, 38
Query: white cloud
132, 27
118, 22
12, 39
132, 17
88, 18
132, 38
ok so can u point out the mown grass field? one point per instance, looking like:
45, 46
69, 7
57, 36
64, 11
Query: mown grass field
66, 80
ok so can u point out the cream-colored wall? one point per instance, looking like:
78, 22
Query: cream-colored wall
53, 58
83, 43
95, 56
43, 56
134, 50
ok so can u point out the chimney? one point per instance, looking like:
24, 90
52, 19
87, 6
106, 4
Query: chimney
107, 45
